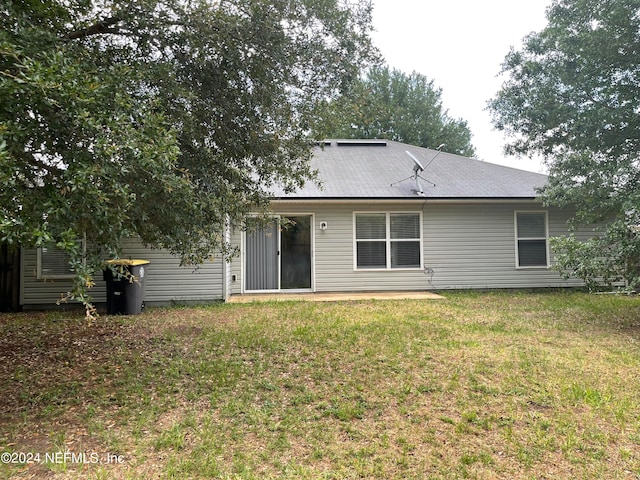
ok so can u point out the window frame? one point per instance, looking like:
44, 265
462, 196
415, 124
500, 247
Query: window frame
40, 275
545, 213
388, 240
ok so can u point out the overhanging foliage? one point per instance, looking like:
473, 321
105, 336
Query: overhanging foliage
573, 95
161, 119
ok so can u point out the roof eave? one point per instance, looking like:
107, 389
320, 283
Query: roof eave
404, 199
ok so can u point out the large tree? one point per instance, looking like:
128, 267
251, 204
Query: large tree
161, 119
387, 103
573, 95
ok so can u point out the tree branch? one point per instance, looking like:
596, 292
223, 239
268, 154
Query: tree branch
99, 28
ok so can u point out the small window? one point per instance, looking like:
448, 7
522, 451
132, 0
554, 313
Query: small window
532, 240
53, 263
371, 240
388, 241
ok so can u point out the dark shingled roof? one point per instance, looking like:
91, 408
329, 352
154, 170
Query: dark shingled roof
361, 169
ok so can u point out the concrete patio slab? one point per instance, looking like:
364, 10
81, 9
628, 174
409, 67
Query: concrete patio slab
333, 296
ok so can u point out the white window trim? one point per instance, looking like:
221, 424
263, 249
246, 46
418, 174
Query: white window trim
387, 241
546, 239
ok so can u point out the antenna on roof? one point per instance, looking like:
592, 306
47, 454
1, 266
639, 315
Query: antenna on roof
439, 149
417, 169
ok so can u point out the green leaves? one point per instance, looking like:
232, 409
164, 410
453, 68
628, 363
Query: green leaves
405, 108
574, 85
573, 95
162, 119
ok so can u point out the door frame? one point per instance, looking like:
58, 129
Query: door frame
243, 256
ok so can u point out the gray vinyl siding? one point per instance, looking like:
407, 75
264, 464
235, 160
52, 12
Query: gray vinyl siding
166, 282
464, 246
335, 254
474, 246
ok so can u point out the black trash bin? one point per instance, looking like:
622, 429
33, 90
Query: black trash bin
125, 289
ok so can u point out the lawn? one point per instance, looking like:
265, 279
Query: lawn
479, 385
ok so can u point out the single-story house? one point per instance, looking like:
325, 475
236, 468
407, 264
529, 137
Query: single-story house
386, 216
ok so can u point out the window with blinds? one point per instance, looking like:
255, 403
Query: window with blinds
53, 263
387, 241
531, 239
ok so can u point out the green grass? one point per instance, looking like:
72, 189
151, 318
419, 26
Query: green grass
480, 385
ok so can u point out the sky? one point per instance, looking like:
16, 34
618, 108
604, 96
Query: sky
460, 45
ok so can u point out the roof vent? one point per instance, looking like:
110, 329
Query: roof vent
361, 143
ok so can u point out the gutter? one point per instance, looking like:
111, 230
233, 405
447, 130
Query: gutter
343, 200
